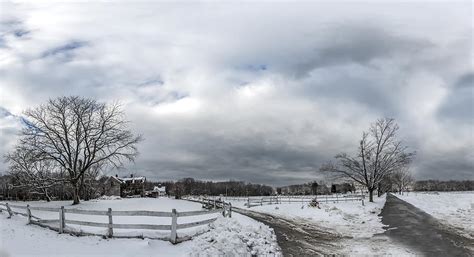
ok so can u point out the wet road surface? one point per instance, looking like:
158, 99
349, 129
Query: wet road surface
420, 231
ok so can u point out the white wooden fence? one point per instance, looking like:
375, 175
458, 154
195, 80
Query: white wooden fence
252, 201
60, 223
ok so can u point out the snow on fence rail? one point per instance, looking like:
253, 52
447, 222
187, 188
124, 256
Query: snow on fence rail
209, 203
252, 201
60, 223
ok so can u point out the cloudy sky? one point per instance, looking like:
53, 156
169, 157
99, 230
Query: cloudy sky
262, 92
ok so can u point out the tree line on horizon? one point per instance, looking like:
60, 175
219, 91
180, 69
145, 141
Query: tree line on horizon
10, 189
191, 186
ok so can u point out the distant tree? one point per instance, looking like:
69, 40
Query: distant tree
78, 134
385, 185
314, 188
451, 185
35, 174
402, 179
178, 190
379, 155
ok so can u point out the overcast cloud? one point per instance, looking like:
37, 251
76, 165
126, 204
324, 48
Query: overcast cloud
258, 92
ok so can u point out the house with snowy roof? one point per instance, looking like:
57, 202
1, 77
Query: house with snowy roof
159, 191
123, 187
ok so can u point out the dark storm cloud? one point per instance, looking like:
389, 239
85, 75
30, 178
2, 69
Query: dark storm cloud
466, 80
458, 106
359, 44
452, 166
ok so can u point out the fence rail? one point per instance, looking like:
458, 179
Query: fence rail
253, 201
60, 223
209, 203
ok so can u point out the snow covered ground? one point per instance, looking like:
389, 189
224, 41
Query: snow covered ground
453, 208
136, 204
348, 218
238, 235
360, 224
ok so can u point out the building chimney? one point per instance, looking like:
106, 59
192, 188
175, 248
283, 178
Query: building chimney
116, 175
131, 175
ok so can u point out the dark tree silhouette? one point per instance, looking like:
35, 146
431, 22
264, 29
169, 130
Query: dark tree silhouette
379, 155
79, 134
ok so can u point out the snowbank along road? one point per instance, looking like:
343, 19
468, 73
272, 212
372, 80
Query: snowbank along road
297, 237
419, 230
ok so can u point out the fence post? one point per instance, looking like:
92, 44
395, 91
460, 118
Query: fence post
230, 210
174, 226
28, 212
248, 202
10, 213
61, 220
214, 203
111, 224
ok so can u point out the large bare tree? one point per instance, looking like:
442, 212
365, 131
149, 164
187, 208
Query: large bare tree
79, 134
380, 153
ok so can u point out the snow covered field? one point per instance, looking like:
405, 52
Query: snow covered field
453, 208
238, 235
348, 218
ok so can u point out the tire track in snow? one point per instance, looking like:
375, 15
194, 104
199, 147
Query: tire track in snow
298, 237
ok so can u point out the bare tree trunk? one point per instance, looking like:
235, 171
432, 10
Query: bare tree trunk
371, 195
81, 187
48, 198
75, 197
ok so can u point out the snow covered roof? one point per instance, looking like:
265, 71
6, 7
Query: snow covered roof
159, 189
133, 179
117, 179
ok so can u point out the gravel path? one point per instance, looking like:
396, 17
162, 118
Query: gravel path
420, 231
298, 237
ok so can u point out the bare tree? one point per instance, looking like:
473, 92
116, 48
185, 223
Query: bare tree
379, 155
32, 172
79, 134
89, 185
402, 179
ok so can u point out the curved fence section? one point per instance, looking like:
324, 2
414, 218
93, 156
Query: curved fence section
209, 203
61, 223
